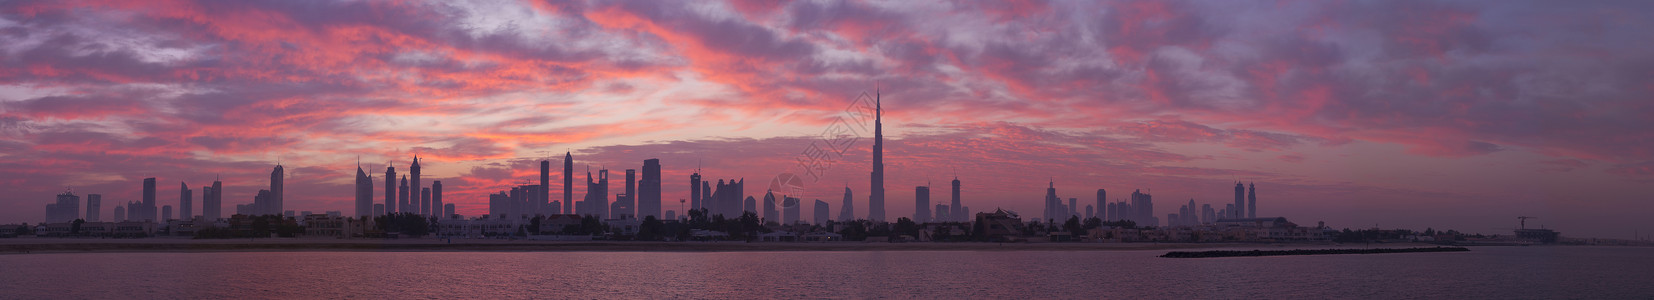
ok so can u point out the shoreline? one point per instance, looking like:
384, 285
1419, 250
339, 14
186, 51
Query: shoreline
44, 246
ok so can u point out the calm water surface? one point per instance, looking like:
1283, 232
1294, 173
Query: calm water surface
1483, 273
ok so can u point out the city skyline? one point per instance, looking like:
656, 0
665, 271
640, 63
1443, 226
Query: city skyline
1451, 115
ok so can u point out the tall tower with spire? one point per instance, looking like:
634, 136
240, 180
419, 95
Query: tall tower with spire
277, 181
1240, 201
364, 192
956, 211
1252, 200
390, 188
568, 183
1053, 204
414, 196
875, 197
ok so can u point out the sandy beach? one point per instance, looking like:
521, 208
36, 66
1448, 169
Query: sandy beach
74, 245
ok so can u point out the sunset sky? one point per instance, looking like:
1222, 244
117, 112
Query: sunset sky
1409, 114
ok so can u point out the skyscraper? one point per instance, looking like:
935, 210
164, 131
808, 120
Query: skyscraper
568, 183
597, 195
875, 199
770, 214
1053, 205
390, 189
166, 212
820, 212
790, 210
402, 204
956, 211
695, 190
120, 213
186, 200
626, 205
1102, 204
421, 204
364, 193
278, 178
65, 209
847, 210
1073, 207
921, 204
648, 198
436, 199
1240, 202
213, 205
94, 207
1252, 201
147, 209
544, 207
425, 193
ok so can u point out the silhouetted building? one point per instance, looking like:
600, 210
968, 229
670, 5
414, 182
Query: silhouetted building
448, 210
364, 193
695, 191
402, 198
791, 211
847, 211
597, 195
1053, 204
147, 210
921, 204
390, 190
956, 211
186, 200
1239, 210
545, 190
1252, 201
436, 198
770, 213
648, 197
942, 213
750, 205
820, 212
568, 183
1142, 209
1073, 207
278, 179
166, 213
65, 209
212, 202
422, 205
120, 213
1102, 204
425, 193
875, 199
727, 198
94, 207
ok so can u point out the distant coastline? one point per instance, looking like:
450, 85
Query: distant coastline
46, 245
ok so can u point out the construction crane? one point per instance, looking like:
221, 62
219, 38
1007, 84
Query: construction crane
1523, 220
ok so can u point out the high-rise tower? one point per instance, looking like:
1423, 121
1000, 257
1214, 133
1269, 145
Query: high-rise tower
568, 183
278, 179
695, 191
1252, 201
212, 206
921, 204
437, 208
956, 211
1102, 204
390, 189
186, 201
1240, 202
847, 211
148, 208
1053, 204
648, 198
422, 204
364, 193
875, 198
545, 190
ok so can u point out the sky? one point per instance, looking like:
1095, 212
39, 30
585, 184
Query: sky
1397, 114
